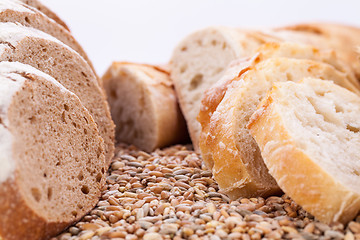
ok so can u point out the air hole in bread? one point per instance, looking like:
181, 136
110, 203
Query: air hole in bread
45, 175
98, 177
85, 131
80, 206
352, 128
196, 81
58, 163
199, 43
183, 68
184, 49
84, 74
356, 172
32, 119
74, 124
49, 193
289, 76
224, 45
63, 117
218, 70
27, 20
74, 213
35, 192
66, 107
103, 170
86, 120
214, 42
113, 93
80, 176
85, 189
339, 109
1, 121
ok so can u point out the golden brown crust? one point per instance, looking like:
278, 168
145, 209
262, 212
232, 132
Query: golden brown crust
303, 180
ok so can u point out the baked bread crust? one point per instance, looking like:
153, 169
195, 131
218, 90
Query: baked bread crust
311, 173
237, 164
40, 50
38, 198
143, 105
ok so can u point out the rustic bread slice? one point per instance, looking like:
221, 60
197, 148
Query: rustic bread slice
42, 8
238, 167
17, 12
213, 96
143, 106
40, 50
340, 37
200, 60
309, 138
52, 164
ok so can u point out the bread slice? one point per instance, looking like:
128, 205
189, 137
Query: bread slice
17, 12
342, 38
238, 167
42, 8
214, 95
143, 106
201, 59
309, 136
40, 50
52, 164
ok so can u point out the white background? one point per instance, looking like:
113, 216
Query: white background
146, 31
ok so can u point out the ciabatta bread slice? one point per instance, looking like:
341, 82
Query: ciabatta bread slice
17, 12
201, 59
40, 50
52, 164
237, 164
42, 8
143, 106
309, 136
342, 38
213, 96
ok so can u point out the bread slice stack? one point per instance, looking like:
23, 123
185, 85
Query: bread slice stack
56, 132
47, 137
143, 106
309, 136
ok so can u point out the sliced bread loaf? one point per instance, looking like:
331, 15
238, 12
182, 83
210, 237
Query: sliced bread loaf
237, 164
17, 12
201, 59
309, 136
40, 50
42, 8
52, 163
214, 95
143, 106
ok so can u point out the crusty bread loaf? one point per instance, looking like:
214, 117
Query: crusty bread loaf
143, 106
201, 59
237, 164
309, 138
213, 96
340, 37
42, 8
17, 12
52, 163
40, 50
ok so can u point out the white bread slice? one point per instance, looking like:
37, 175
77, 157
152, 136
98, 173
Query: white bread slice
40, 50
52, 162
342, 38
201, 59
17, 12
213, 96
309, 136
237, 164
42, 8
143, 106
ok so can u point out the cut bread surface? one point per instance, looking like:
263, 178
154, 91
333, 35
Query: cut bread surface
143, 105
237, 164
308, 133
40, 50
57, 155
201, 59
213, 96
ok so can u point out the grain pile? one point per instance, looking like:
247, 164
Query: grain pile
168, 194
